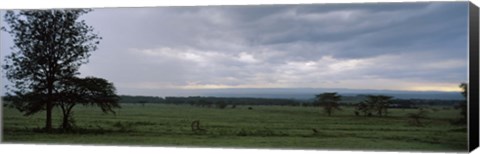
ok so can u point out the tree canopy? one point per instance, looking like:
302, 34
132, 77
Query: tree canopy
49, 46
329, 101
89, 91
463, 104
378, 103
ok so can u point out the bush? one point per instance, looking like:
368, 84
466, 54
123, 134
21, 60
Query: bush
221, 105
415, 117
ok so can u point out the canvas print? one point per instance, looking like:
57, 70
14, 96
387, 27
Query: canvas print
360, 76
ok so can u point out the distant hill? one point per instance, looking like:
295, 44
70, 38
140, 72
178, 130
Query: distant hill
309, 93
286, 96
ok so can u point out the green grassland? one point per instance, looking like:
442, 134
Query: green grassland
284, 127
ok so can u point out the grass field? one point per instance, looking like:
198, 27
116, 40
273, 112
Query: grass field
262, 127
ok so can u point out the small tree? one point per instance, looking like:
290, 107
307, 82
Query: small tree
384, 102
49, 46
415, 117
363, 107
221, 104
329, 101
378, 103
85, 91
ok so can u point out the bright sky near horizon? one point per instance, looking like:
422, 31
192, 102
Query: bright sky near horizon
396, 46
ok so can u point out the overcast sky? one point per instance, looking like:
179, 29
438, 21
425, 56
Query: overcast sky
397, 46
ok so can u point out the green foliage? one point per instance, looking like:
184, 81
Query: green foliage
329, 101
85, 91
416, 116
364, 108
221, 104
375, 103
49, 46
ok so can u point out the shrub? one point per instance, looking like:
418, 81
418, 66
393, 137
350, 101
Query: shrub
221, 105
415, 117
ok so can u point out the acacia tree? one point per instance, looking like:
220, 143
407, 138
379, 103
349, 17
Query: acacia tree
384, 102
364, 108
49, 45
85, 91
416, 116
378, 103
329, 101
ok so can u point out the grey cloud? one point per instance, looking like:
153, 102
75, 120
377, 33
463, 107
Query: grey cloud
280, 45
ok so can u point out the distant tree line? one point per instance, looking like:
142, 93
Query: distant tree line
344, 101
352, 100
196, 100
378, 104
214, 101
141, 99
209, 101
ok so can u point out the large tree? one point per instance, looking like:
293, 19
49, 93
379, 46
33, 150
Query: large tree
329, 101
49, 46
85, 91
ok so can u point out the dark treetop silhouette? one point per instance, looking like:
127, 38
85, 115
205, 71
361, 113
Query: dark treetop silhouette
49, 46
378, 103
85, 91
329, 101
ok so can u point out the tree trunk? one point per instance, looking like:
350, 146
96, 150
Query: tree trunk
48, 121
65, 124
67, 113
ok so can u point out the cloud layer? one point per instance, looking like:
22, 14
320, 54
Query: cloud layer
401, 46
